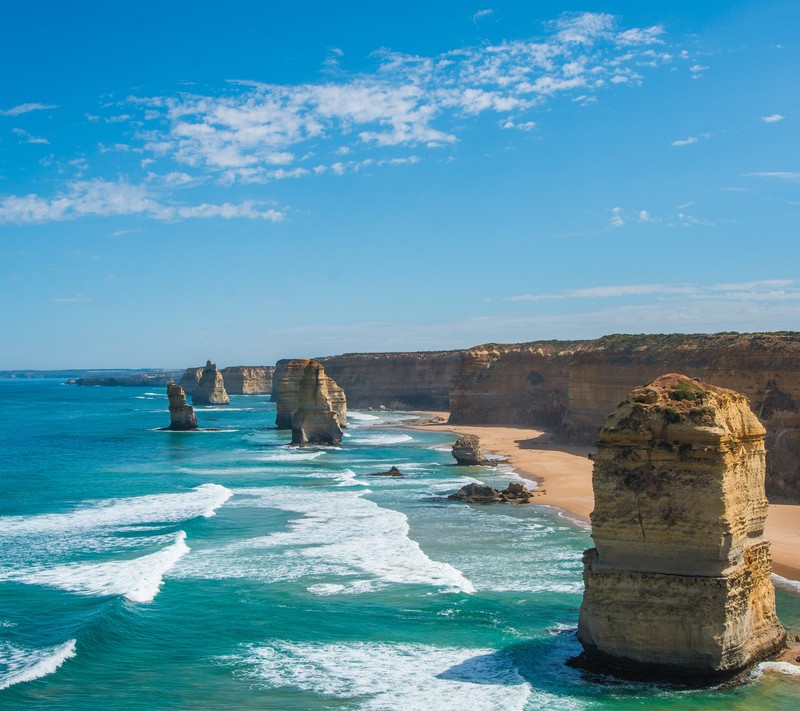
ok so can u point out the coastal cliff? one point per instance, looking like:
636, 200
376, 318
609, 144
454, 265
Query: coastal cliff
679, 581
248, 379
190, 378
571, 385
398, 381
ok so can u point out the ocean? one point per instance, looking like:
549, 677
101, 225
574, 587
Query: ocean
145, 569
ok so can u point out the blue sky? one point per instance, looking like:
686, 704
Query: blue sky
252, 181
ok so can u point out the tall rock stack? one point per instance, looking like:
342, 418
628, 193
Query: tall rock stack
181, 415
210, 390
288, 391
679, 582
311, 404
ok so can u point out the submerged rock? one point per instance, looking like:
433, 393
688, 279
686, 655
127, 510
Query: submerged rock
181, 415
514, 493
394, 471
210, 390
467, 451
679, 582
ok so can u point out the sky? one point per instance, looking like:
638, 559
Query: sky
249, 181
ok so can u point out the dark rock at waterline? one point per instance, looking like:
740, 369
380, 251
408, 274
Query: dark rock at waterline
514, 493
394, 471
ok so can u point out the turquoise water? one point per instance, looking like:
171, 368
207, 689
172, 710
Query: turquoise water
142, 569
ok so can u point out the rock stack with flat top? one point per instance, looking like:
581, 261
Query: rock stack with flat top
311, 404
678, 584
210, 389
181, 415
467, 451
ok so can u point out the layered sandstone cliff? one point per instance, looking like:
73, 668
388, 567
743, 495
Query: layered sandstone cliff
248, 379
190, 378
210, 390
181, 415
679, 581
571, 385
398, 381
310, 403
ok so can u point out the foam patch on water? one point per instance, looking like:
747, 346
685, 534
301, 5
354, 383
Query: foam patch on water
778, 667
340, 533
785, 583
380, 440
287, 454
393, 676
362, 417
19, 665
168, 508
137, 579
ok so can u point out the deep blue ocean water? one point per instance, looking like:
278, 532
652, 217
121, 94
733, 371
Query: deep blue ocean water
143, 569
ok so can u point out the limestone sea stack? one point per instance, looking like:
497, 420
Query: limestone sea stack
678, 584
210, 390
288, 392
316, 420
181, 415
467, 451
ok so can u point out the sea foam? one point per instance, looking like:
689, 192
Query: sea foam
19, 665
392, 676
137, 579
340, 533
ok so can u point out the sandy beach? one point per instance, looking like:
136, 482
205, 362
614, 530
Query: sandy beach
564, 473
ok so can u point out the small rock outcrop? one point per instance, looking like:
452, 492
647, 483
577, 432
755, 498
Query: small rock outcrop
210, 390
467, 451
311, 404
678, 584
181, 415
514, 493
394, 471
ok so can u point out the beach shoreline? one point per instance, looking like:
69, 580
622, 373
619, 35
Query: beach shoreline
563, 475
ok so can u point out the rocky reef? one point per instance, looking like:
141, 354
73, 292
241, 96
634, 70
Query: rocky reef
181, 415
467, 451
514, 493
310, 403
678, 584
210, 390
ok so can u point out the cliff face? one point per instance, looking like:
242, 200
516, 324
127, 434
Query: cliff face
415, 381
572, 385
181, 415
679, 581
248, 379
519, 384
190, 378
211, 388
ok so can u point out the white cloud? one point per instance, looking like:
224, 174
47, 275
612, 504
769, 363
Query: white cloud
762, 290
616, 217
408, 100
99, 198
481, 14
685, 141
697, 70
645, 216
777, 175
773, 118
26, 108
27, 137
